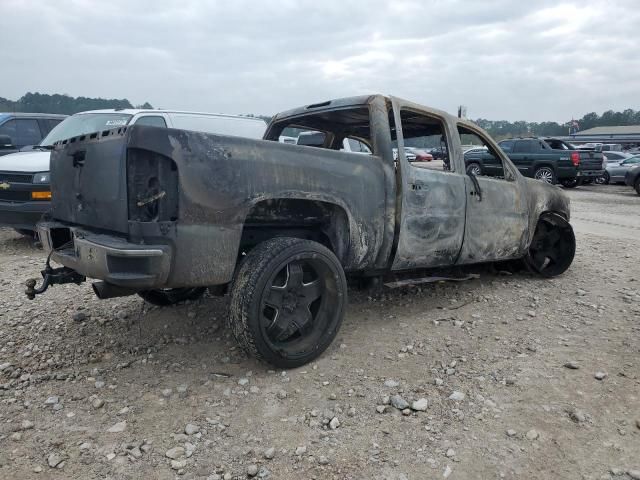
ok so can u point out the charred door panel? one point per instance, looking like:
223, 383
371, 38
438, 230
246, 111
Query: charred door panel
432, 225
432, 212
497, 224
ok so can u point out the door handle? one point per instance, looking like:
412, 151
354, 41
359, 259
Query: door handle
476, 185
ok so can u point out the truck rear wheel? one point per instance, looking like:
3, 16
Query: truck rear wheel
288, 300
553, 246
170, 296
546, 175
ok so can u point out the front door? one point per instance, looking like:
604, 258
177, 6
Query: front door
433, 193
497, 214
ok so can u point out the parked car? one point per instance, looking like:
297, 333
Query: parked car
18, 130
24, 177
632, 178
617, 169
609, 147
547, 159
418, 154
615, 157
166, 213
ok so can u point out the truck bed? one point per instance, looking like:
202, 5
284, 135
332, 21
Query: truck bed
194, 191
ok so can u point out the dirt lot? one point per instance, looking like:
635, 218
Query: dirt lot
523, 378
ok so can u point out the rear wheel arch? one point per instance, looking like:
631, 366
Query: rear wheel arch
325, 222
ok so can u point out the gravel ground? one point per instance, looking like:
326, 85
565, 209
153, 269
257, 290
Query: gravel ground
506, 376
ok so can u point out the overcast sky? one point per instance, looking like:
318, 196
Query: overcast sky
506, 59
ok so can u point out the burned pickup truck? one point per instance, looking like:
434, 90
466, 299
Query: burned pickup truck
166, 213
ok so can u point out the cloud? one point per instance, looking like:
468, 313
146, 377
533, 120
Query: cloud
539, 60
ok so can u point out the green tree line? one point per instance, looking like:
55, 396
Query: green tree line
500, 129
64, 104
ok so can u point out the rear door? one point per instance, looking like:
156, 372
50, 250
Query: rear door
496, 214
433, 199
28, 132
521, 156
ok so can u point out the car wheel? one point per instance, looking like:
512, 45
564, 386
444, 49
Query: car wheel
546, 175
288, 299
604, 179
570, 182
553, 246
170, 296
637, 185
475, 169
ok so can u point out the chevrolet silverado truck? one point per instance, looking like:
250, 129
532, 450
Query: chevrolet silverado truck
166, 213
550, 160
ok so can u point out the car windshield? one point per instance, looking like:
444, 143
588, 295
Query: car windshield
83, 123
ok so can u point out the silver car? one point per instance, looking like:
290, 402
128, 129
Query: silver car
616, 170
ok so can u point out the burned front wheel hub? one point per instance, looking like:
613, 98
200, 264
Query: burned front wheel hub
553, 246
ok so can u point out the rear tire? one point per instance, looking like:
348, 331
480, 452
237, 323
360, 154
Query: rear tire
637, 185
546, 175
553, 246
288, 299
570, 182
171, 296
604, 179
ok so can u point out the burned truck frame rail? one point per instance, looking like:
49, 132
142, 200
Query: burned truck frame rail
166, 212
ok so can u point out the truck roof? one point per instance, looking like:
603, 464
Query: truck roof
360, 100
135, 111
31, 115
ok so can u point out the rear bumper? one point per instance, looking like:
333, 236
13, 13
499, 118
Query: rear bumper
106, 257
589, 173
23, 215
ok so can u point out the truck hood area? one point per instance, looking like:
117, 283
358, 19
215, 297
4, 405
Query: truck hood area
31, 162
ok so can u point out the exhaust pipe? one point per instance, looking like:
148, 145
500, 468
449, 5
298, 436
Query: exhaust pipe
105, 290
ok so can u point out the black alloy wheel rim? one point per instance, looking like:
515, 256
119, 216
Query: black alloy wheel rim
299, 305
552, 248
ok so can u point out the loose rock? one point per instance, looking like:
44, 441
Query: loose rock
532, 434
191, 429
420, 405
398, 402
118, 427
457, 396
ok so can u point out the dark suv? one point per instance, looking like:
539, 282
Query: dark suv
550, 160
18, 130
